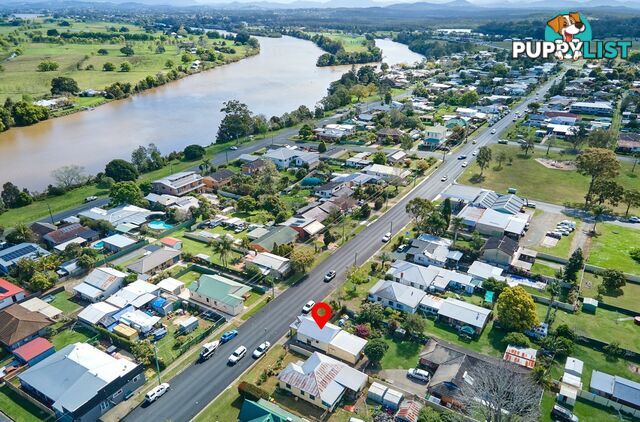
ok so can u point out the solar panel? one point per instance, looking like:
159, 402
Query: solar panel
13, 255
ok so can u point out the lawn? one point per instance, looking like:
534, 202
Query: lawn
585, 410
62, 301
628, 299
544, 268
402, 354
607, 326
19, 409
550, 185
611, 247
189, 277
194, 247
563, 247
166, 351
349, 42
261, 304
78, 334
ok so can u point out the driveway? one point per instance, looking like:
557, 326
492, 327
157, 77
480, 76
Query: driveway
398, 379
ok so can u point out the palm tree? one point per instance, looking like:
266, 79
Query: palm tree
456, 225
222, 247
205, 166
384, 257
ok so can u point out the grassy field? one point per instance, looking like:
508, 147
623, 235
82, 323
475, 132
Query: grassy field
349, 42
563, 247
610, 248
62, 302
81, 61
628, 299
402, 354
19, 409
535, 181
69, 336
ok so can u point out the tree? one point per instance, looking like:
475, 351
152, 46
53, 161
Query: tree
222, 247
236, 123
63, 85
26, 114
601, 138
306, 131
103, 52
379, 157
10, 195
127, 50
69, 176
414, 324
607, 190
501, 158
21, 233
301, 258
143, 352
505, 395
597, 163
484, 158
528, 144
573, 267
322, 147
613, 280
598, 211
127, 192
328, 238
108, 67
446, 210
375, 350
516, 339
194, 152
365, 211
516, 309
42, 281
631, 198
422, 166
456, 224
371, 313
169, 64
48, 66
125, 67
121, 170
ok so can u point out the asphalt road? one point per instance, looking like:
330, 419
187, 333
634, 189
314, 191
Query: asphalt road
199, 384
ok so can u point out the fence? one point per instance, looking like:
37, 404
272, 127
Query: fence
603, 401
122, 252
175, 228
31, 400
590, 268
197, 339
562, 305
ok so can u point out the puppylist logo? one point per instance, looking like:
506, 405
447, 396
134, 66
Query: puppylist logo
568, 36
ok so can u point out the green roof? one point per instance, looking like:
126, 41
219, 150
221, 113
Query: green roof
280, 235
220, 288
264, 411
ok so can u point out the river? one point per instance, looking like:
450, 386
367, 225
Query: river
279, 79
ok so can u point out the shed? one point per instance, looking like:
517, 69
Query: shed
164, 305
392, 399
188, 325
125, 331
589, 305
34, 351
171, 285
376, 392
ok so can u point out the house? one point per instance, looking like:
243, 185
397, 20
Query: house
35, 304
40, 229
359, 160
81, 383
117, 242
334, 132
69, 233
328, 189
615, 388
396, 296
628, 142
171, 285
429, 279
499, 250
221, 293
430, 304
428, 249
481, 272
305, 228
506, 204
98, 313
34, 351
276, 236
409, 411
599, 108
286, 157
435, 136
171, 242
523, 356
100, 284
140, 321
490, 222
253, 167
218, 179
387, 173
396, 156
265, 411
19, 326
460, 314
524, 259
571, 382
331, 339
322, 381
386, 134
11, 255
271, 265
179, 184
156, 261
137, 294
124, 215
9, 293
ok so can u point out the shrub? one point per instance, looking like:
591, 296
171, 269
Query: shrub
252, 392
516, 339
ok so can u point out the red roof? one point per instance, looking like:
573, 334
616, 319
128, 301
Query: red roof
8, 289
32, 349
169, 241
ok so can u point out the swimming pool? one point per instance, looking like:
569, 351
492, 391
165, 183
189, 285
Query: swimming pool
98, 245
159, 225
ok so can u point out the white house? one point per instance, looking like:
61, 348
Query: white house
396, 296
387, 173
271, 264
100, 284
285, 157
331, 339
459, 314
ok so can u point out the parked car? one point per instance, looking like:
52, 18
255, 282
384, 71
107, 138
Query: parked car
503, 141
475, 152
531, 204
159, 333
307, 307
559, 413
634, 219
208, 349
90, 198
156, 392
228, 336
233, 148
330, 276
237, 354
554, 234
386, 237
402, 248
419, 374
261, 350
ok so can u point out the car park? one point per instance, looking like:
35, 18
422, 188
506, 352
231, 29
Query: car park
237, 354
465, 164
386, 237
156, 392
418, 374
228, 336
308, 306
208, 349
261, 350
330, 275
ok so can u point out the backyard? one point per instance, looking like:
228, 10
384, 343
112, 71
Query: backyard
62, 301
611, 247
629, 299
168, 350
20, 409
77, 334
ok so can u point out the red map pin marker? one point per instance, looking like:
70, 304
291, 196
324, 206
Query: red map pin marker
321, 313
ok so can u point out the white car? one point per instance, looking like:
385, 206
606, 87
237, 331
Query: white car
634, 219
493, 131
233, 148
307, 307
419, 374
474, 153
465, 164
237, 355
156, 393
261, 350
386, 237
444, 178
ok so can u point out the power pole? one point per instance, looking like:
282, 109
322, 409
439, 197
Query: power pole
155, 354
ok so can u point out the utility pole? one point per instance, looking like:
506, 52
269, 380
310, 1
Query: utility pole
355, 260
50, 214
155, 354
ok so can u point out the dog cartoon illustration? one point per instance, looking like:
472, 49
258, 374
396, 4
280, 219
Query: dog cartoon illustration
567, 26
